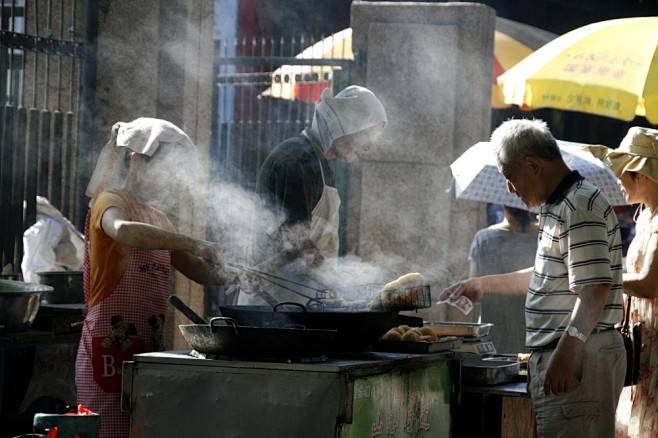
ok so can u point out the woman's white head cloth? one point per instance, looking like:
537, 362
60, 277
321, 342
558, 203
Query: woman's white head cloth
144, 136
352, 110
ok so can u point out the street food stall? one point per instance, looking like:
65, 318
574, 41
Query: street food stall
431, 392
340, 375
339, 388
290, 372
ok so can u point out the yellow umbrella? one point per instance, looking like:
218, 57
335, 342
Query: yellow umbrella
608, 68
513, 41
507, 53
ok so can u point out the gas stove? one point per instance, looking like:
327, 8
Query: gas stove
328, 357
213, 356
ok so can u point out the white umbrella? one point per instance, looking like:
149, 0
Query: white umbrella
477, 178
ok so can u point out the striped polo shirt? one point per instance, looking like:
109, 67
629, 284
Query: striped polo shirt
579, 244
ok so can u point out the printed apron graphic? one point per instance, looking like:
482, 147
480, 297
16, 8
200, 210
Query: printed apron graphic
108, 358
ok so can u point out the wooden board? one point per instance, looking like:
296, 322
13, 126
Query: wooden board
518, 419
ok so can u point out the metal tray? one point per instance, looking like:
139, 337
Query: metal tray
415, 347
466, 329
489, 372
523, 365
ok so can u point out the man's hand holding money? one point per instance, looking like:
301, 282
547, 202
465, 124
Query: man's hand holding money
462, 295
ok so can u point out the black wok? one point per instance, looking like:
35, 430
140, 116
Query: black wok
356, 331
224, 336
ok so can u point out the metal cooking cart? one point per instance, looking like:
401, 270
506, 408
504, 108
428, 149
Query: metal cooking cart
174, 394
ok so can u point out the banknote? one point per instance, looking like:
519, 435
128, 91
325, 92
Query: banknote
462, 303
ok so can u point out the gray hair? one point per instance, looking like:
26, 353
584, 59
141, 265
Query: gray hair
515, 139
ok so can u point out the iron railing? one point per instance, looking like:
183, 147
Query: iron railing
41, 50
265, 92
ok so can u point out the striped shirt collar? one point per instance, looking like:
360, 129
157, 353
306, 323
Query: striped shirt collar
569, 180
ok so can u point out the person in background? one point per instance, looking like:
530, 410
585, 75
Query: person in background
635, 162
573, 292
130, 247
494, 213
504, 247
297, 181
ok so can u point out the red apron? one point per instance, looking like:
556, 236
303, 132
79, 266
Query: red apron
128, 321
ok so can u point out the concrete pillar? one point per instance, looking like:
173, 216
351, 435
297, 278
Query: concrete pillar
431, 66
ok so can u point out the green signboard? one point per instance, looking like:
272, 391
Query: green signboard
411, 403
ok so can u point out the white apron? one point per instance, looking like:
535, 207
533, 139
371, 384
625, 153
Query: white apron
324, 235
325, 221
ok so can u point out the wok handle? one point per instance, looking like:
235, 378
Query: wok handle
186, 310
276, 306
226, 319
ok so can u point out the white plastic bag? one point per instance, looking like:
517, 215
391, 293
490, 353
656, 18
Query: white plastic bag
51, 244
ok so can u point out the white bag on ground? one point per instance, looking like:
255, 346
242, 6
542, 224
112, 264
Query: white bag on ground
51, 244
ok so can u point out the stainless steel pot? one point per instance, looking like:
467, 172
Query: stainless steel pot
67, 286
19, 304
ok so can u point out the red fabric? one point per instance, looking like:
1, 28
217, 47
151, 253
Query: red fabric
497, 71
310, 92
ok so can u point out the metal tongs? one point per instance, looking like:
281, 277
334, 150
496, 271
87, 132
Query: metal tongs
276, 280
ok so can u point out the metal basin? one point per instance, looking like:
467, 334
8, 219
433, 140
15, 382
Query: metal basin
489, 372
19, 304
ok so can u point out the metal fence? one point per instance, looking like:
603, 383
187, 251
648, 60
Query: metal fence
265, 92
41, 48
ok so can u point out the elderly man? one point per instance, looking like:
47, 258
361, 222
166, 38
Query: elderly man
297, 182
573, 293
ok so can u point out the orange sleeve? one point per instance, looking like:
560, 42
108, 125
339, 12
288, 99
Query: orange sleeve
107, 258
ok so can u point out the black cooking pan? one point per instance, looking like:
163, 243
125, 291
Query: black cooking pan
356, 331
224, 336
202, 339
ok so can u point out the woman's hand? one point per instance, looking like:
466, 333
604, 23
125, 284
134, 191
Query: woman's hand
223, 275
209, 252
